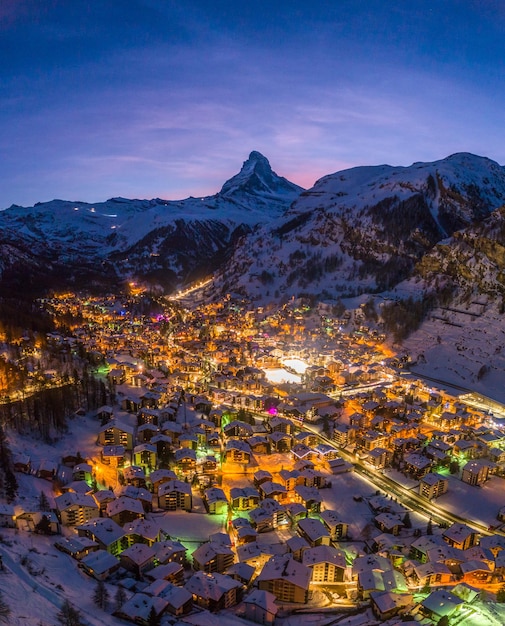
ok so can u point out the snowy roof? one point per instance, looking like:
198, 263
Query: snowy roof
324, 554
140, 605
286, 568
264, 600
211, 586
100, 561
139, 553
124, 503
103, 529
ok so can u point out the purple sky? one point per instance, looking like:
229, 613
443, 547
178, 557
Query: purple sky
146, 98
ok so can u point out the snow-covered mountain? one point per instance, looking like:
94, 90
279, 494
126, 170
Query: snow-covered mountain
363, 229
168, 241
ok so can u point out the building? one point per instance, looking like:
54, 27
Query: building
326, 563
214, 592
433, 485
287, 579
175, 494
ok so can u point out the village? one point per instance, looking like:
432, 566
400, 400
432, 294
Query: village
265, 463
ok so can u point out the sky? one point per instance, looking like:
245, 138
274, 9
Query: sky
166, 98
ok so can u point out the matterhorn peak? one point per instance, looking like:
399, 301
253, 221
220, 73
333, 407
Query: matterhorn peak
256, 176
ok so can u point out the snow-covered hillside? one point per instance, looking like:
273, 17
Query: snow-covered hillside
128, 238
363, 229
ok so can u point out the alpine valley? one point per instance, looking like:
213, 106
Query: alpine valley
419, 250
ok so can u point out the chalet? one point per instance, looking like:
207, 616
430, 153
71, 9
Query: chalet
124, 509
142, 530
260, 607
30, 521
237, 451
433, 485
215, 501
287, 579
370, 580
138, 558
476, 472
267, 516
171, 572
145, 455
289, 478
416, 465
339, 466
280, 442
431, 573
146, 432
238, 429
214, 592
281, 425
259, 444
179, 600
244, 498
47, 469
243, 572
140, 608
261, 476
326, 563
213, 557
100, 564
135, 476
104, 413
188, 440
333, 522
169, 551
22, 463
138, 493
83, 471
109, 535
76, 547
74, 509
272, 490
309, 497
113, 455
386, 604
301, 451
314, 531
115, 433
297, 546
175, 494
295, 511
441, 603
185, 459
388, 523
160, 476
460, 536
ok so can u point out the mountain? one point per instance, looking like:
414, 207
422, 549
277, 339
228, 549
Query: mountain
363, 230
166, 242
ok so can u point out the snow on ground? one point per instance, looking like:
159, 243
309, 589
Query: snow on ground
37, 578
457, 350
476, 503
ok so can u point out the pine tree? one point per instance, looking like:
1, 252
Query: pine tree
119, 598
101, 596
153, 619
429, 527
44, 502
69, 616
5, 610
406, 520
43, 527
